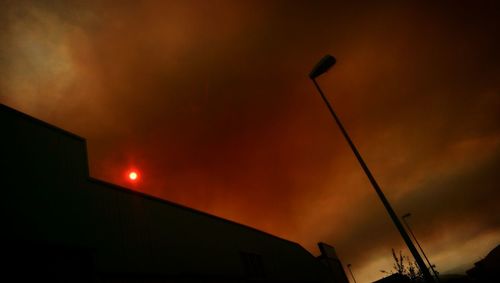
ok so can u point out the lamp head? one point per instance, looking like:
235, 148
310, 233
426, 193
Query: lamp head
322, 66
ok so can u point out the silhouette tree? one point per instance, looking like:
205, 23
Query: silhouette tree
405, 267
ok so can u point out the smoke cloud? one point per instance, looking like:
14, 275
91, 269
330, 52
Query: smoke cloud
211, 101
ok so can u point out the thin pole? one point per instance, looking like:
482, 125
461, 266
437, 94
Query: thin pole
385, 202
418, 244
350, 271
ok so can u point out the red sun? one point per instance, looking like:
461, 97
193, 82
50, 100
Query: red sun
133, 176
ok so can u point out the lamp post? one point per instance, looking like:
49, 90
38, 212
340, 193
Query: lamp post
321, 67
350, 271
418, 244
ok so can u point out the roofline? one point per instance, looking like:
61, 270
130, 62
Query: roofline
167, 202
130, 191
41, 122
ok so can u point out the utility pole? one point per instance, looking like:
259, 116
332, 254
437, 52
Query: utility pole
321, 67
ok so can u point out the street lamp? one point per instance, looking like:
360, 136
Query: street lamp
350, 271
418, 244
321, 67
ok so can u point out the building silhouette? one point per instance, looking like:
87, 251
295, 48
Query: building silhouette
60, 224
329, 257
488, 268
395, 278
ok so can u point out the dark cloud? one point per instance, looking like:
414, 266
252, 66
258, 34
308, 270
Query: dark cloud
462, 203
211, 101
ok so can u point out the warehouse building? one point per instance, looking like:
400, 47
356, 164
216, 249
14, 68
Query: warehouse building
60, 224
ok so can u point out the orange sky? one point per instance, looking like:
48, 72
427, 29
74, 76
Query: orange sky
211, 101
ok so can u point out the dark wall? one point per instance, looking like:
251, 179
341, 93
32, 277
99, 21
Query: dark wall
50, 206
